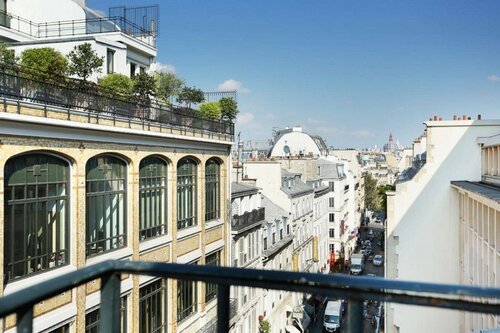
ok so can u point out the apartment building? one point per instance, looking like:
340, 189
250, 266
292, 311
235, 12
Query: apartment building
443, 219
83, 184
247, 245
479, 231
126, 38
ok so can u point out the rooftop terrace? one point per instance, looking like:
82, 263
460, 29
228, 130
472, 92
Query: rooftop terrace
21, 93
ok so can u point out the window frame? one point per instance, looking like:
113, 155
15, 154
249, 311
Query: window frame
110, 61
149, 298
183, 314
158, 225
191, 186
213, 259
41, 197
120, 194
212, 190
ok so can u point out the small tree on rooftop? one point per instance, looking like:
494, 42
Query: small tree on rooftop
143, 87
210, 110
116, 85
46, 64
167, 85
84, 61
190, 95
229, 108
8, 56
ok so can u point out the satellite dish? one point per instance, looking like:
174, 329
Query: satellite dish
286, 149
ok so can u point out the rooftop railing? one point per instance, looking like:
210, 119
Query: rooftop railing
353, 289
76, 27
21, 85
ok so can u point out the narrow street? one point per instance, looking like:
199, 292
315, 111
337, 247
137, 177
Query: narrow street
368, 268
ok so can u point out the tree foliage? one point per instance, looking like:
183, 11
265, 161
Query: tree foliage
46, 63
116, 85
84, 61
264, 326
210, 110
7, 56
229, 108
381, 191
143, 87
371, 194
190, 95
167, 85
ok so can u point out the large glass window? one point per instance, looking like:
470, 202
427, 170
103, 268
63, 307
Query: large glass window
153, 307
211, 288
105, 227
186, 193
35, 214
92, 319
152, 197
212, 190
187, 296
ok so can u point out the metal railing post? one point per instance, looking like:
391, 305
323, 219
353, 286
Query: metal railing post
25, 320
223, 307
355, 316
110, 304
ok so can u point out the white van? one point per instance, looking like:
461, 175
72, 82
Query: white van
333, 312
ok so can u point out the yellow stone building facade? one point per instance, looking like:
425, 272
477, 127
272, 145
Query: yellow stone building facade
78, 139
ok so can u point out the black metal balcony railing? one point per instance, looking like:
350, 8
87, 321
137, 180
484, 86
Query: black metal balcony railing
248, 219
77, 27
353, 289
23, 85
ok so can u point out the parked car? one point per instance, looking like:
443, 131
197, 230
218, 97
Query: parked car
378, 260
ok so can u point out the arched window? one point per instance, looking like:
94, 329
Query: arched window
212, 190
36, 214
186, 193
106, 204
152, 197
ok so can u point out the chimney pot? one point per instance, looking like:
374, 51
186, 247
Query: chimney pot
455, 117
479, 117
435, 117
440, 118
430, 119
459, 118
464, 117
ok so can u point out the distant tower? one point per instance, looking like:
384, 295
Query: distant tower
390, 146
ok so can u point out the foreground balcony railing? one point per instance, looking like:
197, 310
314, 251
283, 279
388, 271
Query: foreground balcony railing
67, 28
353, 289
23, 86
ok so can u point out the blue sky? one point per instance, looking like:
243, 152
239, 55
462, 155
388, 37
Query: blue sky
350, 71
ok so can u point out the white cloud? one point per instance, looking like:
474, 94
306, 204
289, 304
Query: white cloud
493, 78
244, 118
168, 68
363, 133
230, 85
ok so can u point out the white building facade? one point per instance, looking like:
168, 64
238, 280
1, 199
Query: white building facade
127, 47
426, 228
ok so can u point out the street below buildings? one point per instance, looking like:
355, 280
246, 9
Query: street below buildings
372, 309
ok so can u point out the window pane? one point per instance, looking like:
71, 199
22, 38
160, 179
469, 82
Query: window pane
152, 307
105, 227
212, 188
35, 226
152, 197
186, 193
